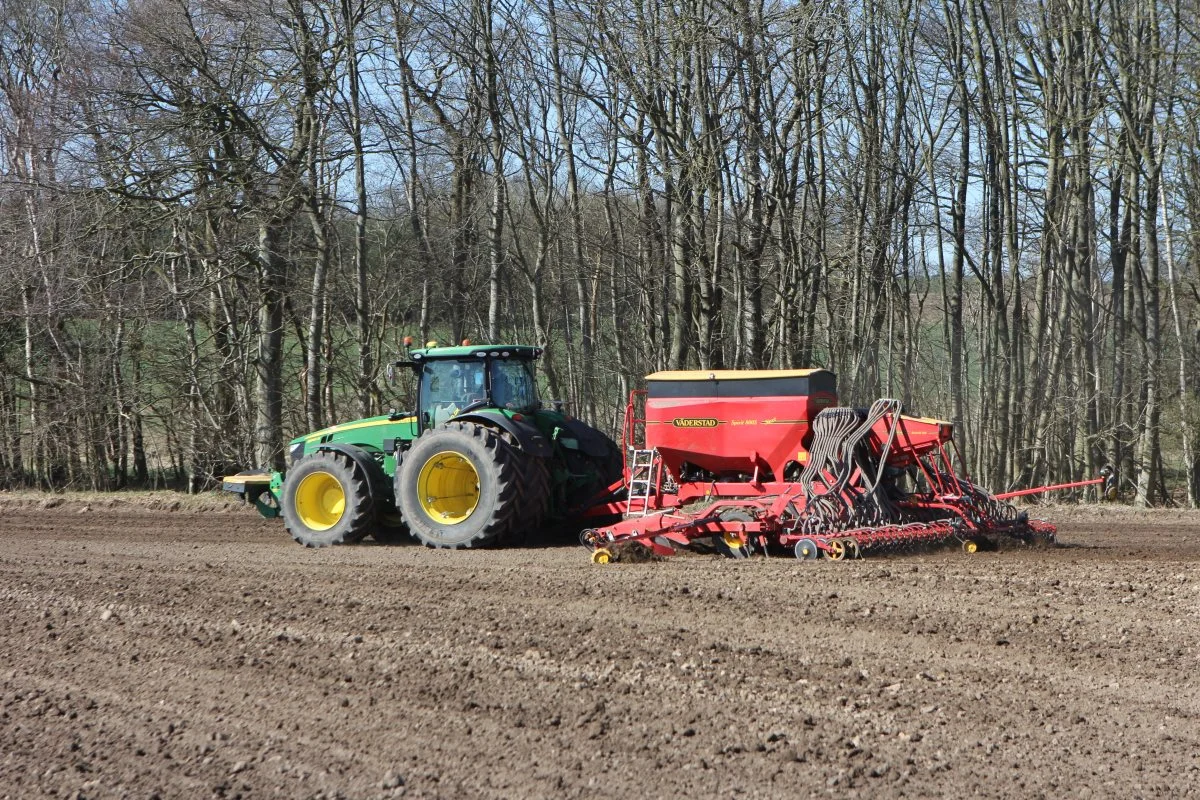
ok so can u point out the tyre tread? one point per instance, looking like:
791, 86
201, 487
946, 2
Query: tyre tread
501, 457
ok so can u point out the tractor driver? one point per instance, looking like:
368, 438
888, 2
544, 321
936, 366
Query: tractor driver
469, 382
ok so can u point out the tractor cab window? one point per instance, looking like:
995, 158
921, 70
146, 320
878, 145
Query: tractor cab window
447, 387
513, 386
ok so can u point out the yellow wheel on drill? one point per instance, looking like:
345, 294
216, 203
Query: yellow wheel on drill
836, 551
970, 546
601, 556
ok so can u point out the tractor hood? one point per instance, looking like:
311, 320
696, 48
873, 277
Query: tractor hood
370, 434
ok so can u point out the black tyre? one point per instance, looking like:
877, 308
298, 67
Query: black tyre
535, 491
326, 501
390, 529
460, 486
614, 464
591, 475
610, 468
534, 486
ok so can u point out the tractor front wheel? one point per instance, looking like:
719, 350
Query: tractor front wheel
460, 486
326, 501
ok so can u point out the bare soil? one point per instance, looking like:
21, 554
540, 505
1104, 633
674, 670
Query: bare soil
199, 652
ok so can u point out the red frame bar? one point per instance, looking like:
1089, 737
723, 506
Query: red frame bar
1039, 489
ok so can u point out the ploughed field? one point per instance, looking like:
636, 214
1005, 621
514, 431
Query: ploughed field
201, 653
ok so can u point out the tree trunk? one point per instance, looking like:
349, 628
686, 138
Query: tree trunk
268, 417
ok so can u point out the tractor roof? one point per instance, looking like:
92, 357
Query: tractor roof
477, 351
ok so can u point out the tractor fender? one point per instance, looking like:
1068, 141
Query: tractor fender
362, 458
591, 441
528, 436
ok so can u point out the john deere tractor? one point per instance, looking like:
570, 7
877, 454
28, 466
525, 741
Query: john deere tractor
479, 460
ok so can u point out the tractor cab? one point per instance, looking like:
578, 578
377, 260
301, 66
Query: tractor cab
455, 380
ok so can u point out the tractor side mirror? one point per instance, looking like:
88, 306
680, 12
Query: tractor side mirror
391, 372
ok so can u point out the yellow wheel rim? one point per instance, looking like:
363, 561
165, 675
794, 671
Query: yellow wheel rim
732, 539
448, 488
320, 501
601, 556
970, 546
836, 551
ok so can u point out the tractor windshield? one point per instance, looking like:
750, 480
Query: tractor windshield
447, 387
513, 386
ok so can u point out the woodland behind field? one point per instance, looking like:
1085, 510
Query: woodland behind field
218, 219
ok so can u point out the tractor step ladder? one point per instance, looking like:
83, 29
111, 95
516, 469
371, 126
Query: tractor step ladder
645, 475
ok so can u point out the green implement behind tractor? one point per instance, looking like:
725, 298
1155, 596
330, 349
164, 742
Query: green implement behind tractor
479, 461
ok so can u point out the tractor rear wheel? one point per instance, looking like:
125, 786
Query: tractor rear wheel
536, 487
326, 501
533, 482
460, 486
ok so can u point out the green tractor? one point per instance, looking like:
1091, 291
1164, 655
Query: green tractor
479, 461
